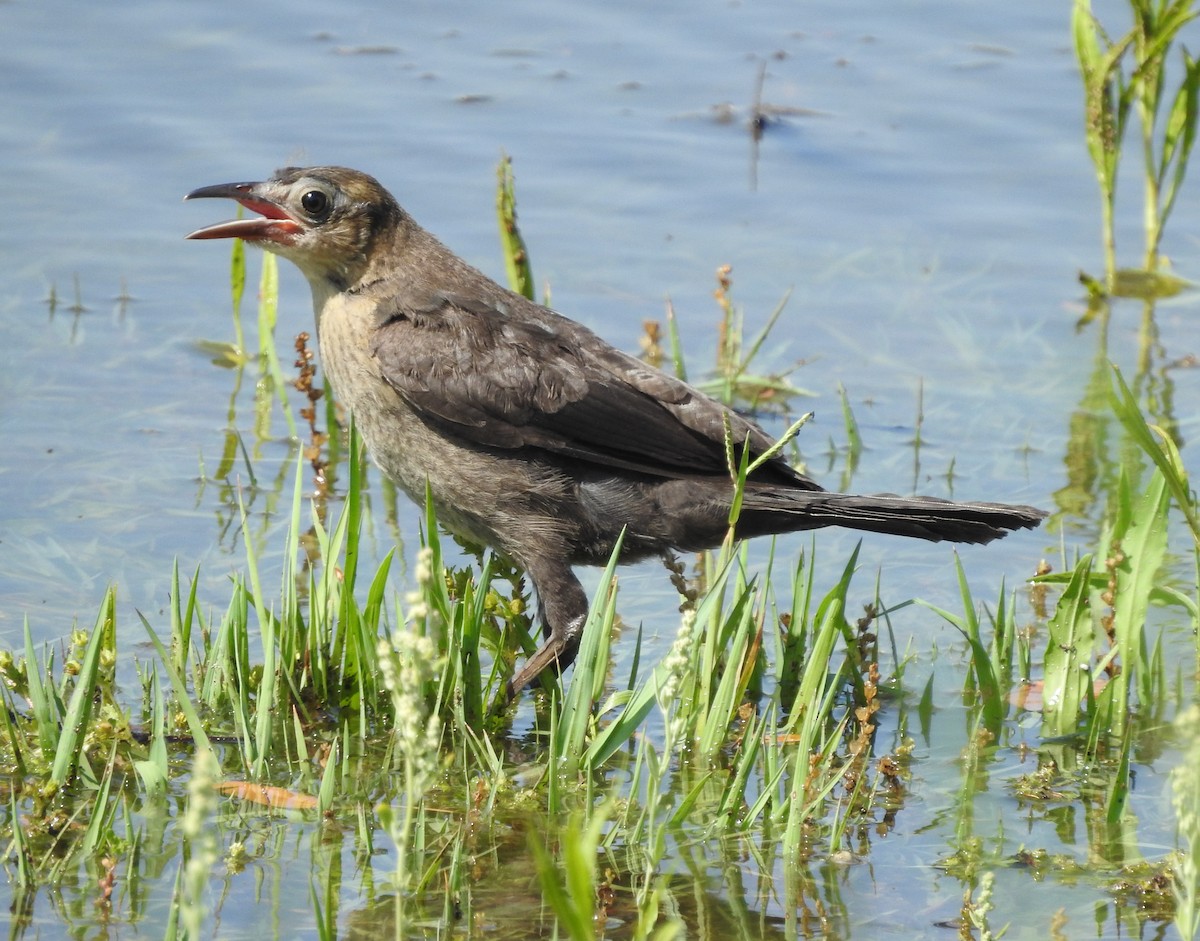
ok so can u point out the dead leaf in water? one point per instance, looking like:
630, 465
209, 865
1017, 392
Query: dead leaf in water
268, 795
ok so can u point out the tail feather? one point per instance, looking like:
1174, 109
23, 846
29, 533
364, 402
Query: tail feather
919, 517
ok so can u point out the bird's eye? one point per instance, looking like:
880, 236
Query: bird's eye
314, 202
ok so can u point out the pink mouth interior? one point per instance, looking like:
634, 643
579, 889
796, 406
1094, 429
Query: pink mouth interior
264, 208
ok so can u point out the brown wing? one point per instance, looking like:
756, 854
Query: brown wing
512, 374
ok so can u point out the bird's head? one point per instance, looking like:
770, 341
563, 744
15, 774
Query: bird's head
325, 220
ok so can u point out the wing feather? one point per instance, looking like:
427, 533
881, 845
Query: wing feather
529, 378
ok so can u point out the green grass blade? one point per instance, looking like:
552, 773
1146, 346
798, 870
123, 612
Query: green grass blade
591, 666
1159, 446
182, 697
516, 254
1071, 635
44, 714
69, 751
268, 304
237, 286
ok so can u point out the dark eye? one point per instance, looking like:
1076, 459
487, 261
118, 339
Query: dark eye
314, 202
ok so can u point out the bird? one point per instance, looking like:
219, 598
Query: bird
532, 434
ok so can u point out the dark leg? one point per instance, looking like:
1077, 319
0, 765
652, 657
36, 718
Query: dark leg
563, 605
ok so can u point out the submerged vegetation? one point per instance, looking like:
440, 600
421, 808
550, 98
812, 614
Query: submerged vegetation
723, 780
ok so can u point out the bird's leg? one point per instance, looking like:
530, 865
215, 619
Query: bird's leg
556, 654
563, 607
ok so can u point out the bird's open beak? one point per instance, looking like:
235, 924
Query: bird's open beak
274, 226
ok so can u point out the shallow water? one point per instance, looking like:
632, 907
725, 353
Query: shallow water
927, 206
927, 220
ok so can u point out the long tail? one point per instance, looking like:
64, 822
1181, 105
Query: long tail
920, 517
